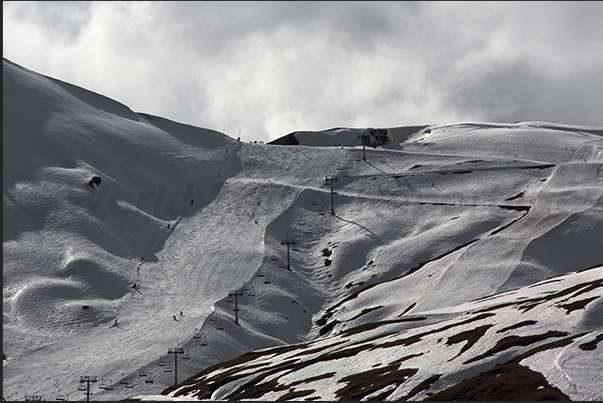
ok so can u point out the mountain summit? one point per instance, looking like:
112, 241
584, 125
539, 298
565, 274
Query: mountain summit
148, 259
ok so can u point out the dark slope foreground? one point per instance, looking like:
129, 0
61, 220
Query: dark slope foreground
415, 357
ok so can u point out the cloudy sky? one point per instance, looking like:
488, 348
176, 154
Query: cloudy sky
269, 68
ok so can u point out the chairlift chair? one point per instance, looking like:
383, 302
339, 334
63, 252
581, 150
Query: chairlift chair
129, 385
186, 357
81, 387
148, 381
167, 370
59, 396
109, 386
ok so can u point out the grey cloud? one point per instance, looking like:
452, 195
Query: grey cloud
61, 20
519, 91
222, 26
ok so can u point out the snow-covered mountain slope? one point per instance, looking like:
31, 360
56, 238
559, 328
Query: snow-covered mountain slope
439, 254
408, 357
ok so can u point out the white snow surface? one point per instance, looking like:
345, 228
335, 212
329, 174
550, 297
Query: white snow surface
430, 230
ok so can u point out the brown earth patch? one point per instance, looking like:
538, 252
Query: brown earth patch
406, 358
576, 290
313, 378
328, 327
510, 381
316, 350
374, 325
577, 304
506, 382
296, 394
365, 311
411, 306
512, 341
365, 383
529, 304
591, 345
517, 325
425, 384
418, 337
470, 336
